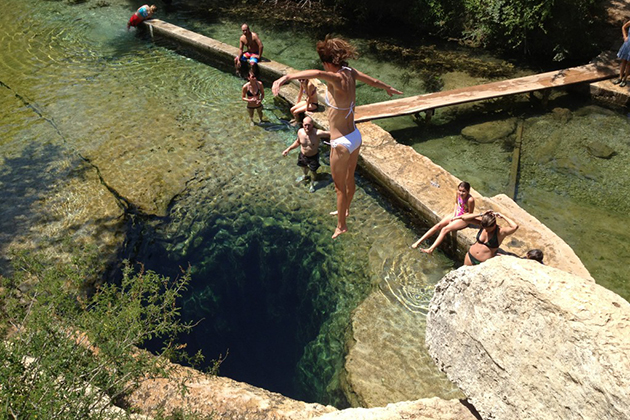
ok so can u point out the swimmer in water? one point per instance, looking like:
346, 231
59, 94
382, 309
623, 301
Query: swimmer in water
253, 93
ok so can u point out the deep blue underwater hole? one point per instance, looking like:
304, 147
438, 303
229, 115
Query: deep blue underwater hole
259, 293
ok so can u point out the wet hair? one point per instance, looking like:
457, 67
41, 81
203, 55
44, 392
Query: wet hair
535, 254
465, 185
336, 51
153, 7
488, 219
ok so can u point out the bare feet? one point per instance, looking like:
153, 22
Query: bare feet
427, 250
339, 231
415, 244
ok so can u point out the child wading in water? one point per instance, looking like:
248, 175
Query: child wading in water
464, 203
253, 93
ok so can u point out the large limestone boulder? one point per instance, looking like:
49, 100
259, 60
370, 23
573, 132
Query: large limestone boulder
527, 341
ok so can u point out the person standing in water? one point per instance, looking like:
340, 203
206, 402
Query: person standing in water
308, 139
464, 204
489, 237
340, 97
253, 93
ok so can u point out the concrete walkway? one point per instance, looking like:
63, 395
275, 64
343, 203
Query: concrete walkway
414, 180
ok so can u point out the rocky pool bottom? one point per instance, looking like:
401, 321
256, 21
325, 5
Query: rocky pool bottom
100, 122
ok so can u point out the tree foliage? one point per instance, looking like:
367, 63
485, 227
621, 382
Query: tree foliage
67, 355
548, 29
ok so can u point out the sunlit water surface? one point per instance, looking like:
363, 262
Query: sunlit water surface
270, 288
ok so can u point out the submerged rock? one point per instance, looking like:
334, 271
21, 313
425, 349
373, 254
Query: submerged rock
526, 341
490, 132
561, 114
387, 360
600, 150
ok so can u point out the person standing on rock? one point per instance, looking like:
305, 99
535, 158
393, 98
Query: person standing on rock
464, 204
340, 97
308, 139
489, 237
624, 55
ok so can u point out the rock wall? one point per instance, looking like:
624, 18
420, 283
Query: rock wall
527, 341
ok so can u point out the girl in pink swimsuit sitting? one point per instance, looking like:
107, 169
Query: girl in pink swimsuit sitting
464, 203
345, 140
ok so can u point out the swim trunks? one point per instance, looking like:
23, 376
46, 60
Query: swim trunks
249, 57
135, 20
350, 141
312, 162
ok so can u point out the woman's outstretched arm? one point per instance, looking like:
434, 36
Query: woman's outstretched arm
304, 74
377, 83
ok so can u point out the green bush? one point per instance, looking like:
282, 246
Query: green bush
555, 29
69, 355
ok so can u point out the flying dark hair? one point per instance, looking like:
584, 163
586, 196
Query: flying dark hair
336, 51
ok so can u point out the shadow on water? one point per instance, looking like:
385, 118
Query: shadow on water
25, 179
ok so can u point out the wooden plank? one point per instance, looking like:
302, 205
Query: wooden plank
414, 104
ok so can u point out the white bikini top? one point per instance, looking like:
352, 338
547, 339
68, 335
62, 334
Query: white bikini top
349, 109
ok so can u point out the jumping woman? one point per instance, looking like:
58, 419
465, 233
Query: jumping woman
340, 97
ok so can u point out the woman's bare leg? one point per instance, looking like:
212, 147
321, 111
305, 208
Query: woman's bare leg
451, 227
298, 108
339, 164
442, 223
350, 182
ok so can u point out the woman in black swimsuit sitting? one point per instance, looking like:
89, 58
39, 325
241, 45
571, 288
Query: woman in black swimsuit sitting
489, 237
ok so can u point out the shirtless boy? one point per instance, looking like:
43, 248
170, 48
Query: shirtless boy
254, 47
308, 139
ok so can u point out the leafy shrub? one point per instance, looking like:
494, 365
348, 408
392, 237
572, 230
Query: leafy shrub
69, 355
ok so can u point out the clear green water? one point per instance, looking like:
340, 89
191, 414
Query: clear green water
269, 285
268, 282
